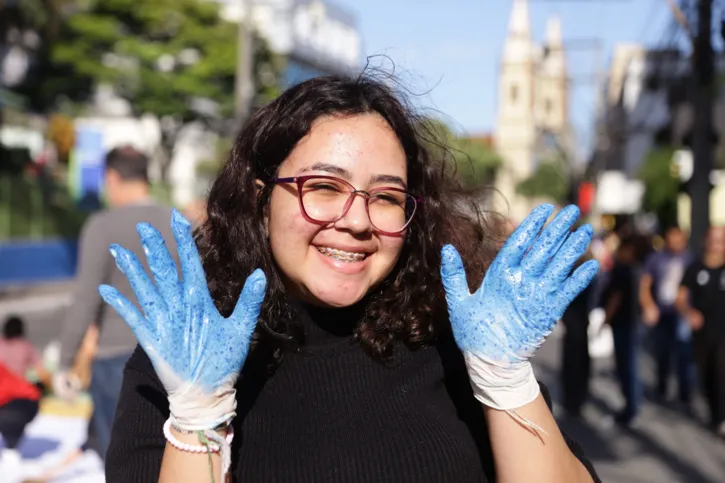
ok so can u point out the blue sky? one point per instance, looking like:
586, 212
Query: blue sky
450, 48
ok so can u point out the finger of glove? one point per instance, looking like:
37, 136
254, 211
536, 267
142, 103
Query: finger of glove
522, 238
146, 293
573, 286
453, 274
246, 312
550, 241
195, 286
162, 266
140, 327
564, 261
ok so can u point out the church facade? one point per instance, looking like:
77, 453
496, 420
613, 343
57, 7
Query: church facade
533, 113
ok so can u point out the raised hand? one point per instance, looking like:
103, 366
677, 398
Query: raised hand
196, 352
524, 293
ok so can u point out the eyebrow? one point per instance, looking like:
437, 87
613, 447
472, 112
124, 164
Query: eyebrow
344, 173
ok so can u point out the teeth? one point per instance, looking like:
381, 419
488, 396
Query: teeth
341, 254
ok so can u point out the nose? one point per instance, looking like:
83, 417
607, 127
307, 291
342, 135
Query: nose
356, 219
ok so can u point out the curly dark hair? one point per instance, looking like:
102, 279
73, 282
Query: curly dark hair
408, 306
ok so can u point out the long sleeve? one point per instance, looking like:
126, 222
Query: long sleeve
137, 441
93, 269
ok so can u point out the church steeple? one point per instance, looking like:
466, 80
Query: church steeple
518, 45
552, 85
553, 32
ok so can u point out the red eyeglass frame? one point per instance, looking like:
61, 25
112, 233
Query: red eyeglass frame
300, 181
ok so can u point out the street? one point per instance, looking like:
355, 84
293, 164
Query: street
663, 445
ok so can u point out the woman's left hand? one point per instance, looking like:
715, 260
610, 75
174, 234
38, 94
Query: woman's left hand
524, 293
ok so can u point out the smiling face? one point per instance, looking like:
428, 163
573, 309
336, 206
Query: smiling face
336, 264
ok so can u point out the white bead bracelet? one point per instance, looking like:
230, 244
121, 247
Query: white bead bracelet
193, 448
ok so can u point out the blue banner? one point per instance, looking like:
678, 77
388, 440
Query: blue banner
88, 160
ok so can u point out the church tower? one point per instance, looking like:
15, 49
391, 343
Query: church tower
532, 106
515, 132
552, 83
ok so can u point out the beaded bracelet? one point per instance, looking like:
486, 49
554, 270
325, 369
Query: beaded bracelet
192, 448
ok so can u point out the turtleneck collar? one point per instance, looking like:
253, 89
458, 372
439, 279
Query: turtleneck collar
328, 326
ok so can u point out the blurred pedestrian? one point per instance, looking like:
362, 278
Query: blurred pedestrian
702, 301
576, 363
128, 193
19, 403
658, 288
620, 301
18, 354
82, 369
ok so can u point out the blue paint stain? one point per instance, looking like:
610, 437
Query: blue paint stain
525, 291
180, 328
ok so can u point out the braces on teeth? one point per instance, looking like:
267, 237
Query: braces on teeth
341, 255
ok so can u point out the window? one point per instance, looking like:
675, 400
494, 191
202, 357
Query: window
548, 106
514, 92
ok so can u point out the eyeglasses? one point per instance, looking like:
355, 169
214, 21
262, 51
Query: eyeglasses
327, 199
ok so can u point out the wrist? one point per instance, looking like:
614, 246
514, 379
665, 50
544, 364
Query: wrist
502, 387
193, 410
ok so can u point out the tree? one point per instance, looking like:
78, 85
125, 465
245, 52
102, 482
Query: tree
661, 185
175, 59
476, 163
549, 180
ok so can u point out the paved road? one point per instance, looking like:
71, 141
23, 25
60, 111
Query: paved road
663, 447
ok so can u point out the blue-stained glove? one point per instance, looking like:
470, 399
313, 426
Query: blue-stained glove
524, 293
196, 352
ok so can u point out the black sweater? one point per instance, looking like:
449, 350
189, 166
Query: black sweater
330, 413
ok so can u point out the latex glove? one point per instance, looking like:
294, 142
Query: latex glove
196, 352
523, 295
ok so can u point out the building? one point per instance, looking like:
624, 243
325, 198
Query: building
316, 37
533, 116
647, 104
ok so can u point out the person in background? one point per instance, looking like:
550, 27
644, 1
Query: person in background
576, 363
82, 369
19, 403
658, 288
18, 354
621, 308
127, 190
701, 299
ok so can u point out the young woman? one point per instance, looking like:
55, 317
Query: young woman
327, 330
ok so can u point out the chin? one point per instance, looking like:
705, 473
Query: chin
337, 296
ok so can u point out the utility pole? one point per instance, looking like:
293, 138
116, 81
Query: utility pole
244, 86
703, 74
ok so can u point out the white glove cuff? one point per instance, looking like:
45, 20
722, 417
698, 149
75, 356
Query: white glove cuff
193, 410
503, 388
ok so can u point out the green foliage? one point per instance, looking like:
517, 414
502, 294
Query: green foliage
661, 185
125, 43
476, 164
549, 180
33, 208
161, 55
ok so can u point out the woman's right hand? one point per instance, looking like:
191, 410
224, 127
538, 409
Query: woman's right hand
196, 352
